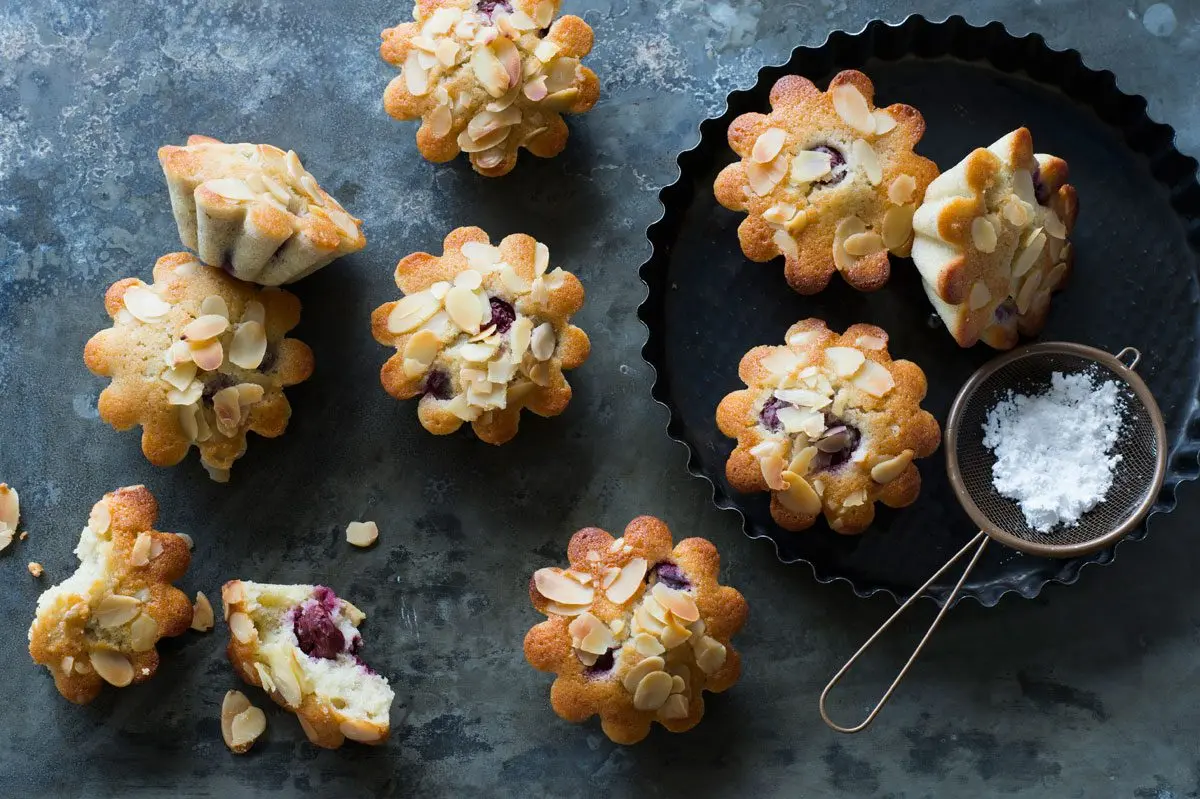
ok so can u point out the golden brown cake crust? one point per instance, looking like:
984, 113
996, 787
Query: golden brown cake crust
324, 725
489, 83
132, 352
429, 341
800, 205
835, 388
71, 625
624, 615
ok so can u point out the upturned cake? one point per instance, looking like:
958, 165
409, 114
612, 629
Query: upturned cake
827, 180
481, 332
300, 644
488, 77
636, 630
828, 424
993, 241
197, 359
255, 211
102, 623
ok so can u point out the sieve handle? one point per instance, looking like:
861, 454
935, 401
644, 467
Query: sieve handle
980, 542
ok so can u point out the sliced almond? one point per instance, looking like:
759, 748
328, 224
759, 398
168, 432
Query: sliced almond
676, 706
144, 304
799, 496
802, 460
249, 345
855, 499
678, 602
188, 396
647, 645
772, 470
768, 145
464, 309
884, 122
983, 234
362, 534
242, 627
543, 13
143, 633
810, 165
421, 349
139, 553
846, 228
1016, 211
710, 655
865, 156
202, 613
889, 470
1054, 225
902, 189
554, 586
254, 312
844, 360
763, 178
786, 244
286, 681
10, 507
245, 728
852, 107
411, 312
416, 77
897, 225
1029, 254
1028, 290
214, 304
674, 635
206, 327
865, 243
490, 73
874, 379
542, 342
208, 355
541, 259
234, 703
627, 581
116, 610
870, 343
113, 667
979, 297
228, 411
652, 691
180, 377
639, 671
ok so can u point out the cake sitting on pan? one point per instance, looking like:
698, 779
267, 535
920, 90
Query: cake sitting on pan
636, 630
826, 180
828, 424
300, 644
197, 358
102, 623
482, 331
992, 241
488, 77
255, 211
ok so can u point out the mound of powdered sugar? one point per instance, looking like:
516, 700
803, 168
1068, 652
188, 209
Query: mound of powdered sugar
1054, 450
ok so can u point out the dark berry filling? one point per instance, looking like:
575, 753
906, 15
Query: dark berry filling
1040, 189
488, 7
316, 632
215, 383
769, 415
836, 445
1005, 311
503, 315
670, 575
362, 664
837, 166
437, 384
602, 666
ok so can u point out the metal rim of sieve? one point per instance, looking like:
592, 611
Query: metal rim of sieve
1120, 369
988, 529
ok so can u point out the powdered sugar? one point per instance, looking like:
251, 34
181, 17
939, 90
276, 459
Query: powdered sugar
1054, 450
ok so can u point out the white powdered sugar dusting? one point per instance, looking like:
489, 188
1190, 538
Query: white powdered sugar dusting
1054, 450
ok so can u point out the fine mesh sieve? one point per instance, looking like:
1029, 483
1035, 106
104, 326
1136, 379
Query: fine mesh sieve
1137, 477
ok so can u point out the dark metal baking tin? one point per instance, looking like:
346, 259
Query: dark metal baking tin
1136, 282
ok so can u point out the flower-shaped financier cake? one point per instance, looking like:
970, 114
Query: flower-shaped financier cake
300, 644
255, 210
197, 358
487, 77
827, 180
101, 624
992, 241
482, 332
829, 424
636, 630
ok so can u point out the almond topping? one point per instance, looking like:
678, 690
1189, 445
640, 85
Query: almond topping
861, 244
676, 601
411, 311
852, 107
983, 234
636, 674
245, 728
889, 470
647, 645
710, 655
144, 304
897, 225
844, 360
143, 633
113, 667
868, 160
249, 345
228, 411
362, 534
554, 586
627, 582
139, 554
214, 304
464, 309
980, 296
767, 145
884, 122
652, 691
543, 13
848, 227
902, 189
254, 312
208, 355
10, 508
542, 342
541, 259
870, 343
116, 610
206, 327
180, 377
359, 730
809, 165
522, 331
1054, 225
874, 378
1029, 254
242, 627
420, 351
676, 706
1028, 288
235, 702
763, 178
786, 244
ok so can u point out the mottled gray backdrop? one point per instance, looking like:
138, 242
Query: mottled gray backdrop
1089, 691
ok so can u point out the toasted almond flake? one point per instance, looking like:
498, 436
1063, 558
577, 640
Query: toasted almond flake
245, 728
763, 178
202, 613
710, 655
780, 214
850, 226
855, 499
804, 397
286, 683
870, 343
35, 568
647, 645
809, 165
490, 73
463, 307
676, 706
206, 327
768, 145
852, 107
441, 121
411, 311
230, 189
674, 635
598, 641
543, 13
100, 519
254, 312
416, 77
861, 244
249, 345
1027, 292
884, 122
552, 585
542, 342
144, 304
638, 672
865, 156
889, 470
190, 395
264, 678
208, 355
1028, 255
421, 348
983, 234
139, 554
610, 575
143, 633
242, 627
1054, 225
177, 354
902, 189
181, 376
626, 583
539, 373
980, 296
676, 601
652, 691
874, 379
113, 667
844, 360
1015, 211
360, 730
616, 545
559, 609
772, 469
234, 704
10, 507
897, 225
228, 411
214, 305
362, 534
67, 664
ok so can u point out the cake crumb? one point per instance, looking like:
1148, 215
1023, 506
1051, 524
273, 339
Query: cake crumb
35, 568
